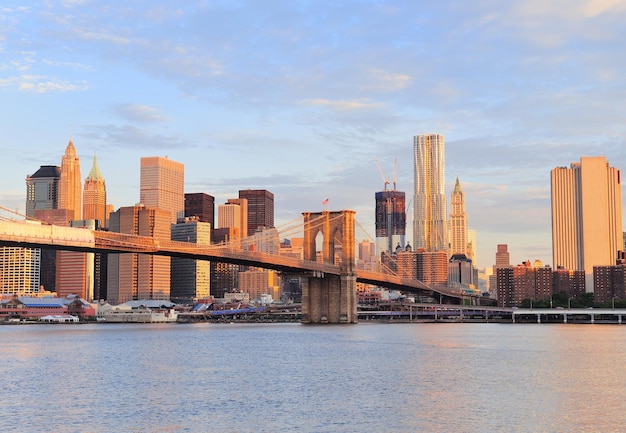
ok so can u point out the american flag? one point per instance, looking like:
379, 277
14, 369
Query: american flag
324, 202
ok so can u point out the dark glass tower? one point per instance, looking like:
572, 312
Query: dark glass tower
391, 218
260, 208
200, 205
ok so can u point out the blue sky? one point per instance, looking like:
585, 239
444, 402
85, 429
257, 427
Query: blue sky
302, 97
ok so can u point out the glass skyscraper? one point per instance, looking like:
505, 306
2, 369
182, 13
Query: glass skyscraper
429, 199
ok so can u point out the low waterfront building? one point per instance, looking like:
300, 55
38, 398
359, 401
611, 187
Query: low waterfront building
30, 308
142, 311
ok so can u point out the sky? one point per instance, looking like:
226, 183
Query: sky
303, 97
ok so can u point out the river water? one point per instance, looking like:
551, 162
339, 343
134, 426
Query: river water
369, 377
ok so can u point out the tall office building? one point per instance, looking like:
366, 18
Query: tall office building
201, 206
243, 221
390, 219
429, 200
133, 276
19, 270
190, 279
229, 216
70, 183
42, 195
162, 185
260, 209
586, 216
95, 196
502, 261
42, 189
75, 271
458, 222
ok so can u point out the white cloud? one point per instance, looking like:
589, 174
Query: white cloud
382, 80
140, 113
343, 105
41, 84
593, 8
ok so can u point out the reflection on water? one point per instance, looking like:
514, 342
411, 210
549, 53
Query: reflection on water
284, 377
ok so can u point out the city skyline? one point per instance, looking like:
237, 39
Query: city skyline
302, 99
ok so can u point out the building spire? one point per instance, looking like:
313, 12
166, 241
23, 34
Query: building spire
70, 150
94, 173
457, 186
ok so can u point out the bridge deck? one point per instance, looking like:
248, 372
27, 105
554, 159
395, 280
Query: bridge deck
36, 235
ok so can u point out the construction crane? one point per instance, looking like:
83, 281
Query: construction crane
382, 175
395, 169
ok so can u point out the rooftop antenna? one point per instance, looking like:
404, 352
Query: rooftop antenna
395, 170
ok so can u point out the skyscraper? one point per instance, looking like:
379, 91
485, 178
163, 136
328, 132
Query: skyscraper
95, 196
70, 183
390, 218
162, 185
243, 215
190, 279
586, 216
139, 276
458, 222
19, 270
200, 205
42, 195
75, 270
229, 216
260, 209
42, 189
429, 200
502, 261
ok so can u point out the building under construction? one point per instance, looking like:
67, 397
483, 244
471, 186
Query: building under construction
390, 220
390, 216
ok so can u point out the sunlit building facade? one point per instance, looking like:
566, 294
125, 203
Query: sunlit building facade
429, 200
229, 216
458, 222
95, 196
162, 185
19, 270
243, 215
586, 216
70, 182
139, 276
257, 282
525, 281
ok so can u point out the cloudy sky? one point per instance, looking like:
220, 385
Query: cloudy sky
302, 97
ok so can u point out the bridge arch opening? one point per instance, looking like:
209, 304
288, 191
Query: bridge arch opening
319, 246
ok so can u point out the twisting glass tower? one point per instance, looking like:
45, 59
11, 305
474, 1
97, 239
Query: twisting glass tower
429, 200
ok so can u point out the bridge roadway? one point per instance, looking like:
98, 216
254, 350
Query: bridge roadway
35, 235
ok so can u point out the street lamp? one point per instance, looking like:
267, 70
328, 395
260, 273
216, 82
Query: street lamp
613, 302
569, 303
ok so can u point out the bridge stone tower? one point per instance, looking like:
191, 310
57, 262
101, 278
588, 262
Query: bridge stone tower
330, 298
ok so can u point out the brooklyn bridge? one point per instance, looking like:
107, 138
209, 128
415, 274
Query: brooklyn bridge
328, 276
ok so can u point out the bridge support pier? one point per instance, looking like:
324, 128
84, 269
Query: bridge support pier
331, 299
